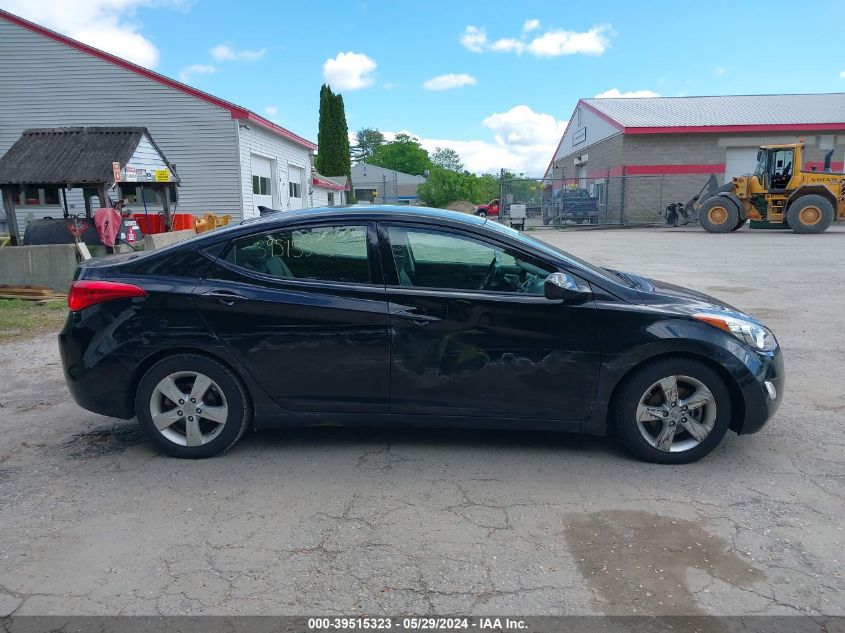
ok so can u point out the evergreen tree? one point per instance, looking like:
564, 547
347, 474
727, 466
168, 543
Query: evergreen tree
332, 136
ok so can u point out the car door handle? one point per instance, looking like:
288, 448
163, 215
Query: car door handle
417, 318
224, 297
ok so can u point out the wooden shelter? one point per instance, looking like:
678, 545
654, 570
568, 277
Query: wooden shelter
93, 158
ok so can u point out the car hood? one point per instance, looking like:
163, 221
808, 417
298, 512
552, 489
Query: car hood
685, 300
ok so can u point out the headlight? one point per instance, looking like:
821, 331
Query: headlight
745, 330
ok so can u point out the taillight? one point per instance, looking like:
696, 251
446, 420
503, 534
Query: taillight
84, 294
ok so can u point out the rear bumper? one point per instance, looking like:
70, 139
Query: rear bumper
761, 400
96, 378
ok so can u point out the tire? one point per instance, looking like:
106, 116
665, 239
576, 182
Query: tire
643, 389
739, 225
718, 215
192, 436
481, 214
810, 214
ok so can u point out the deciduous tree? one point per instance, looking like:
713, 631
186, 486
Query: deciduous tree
404, 154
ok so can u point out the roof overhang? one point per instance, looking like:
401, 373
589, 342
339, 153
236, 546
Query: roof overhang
237, 112
327, 184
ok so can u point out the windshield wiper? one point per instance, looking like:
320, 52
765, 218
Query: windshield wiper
623, 276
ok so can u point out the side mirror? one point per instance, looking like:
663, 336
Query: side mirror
564, 287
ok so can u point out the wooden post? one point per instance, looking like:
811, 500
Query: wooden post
165, 202
87, 199
11, 217
101, 194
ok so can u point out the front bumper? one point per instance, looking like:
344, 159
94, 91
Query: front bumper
760, 406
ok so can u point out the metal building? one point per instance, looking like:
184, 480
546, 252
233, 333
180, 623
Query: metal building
230, 160
638, 155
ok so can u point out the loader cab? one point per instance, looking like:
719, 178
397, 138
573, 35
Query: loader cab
775, 167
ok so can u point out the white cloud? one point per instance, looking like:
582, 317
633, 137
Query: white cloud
188, 73
559, 42
474, 38
842, 75
522, 126
523, 142
615, 93
447, 82
552, 43
109, 25
224, 52
530, 25
719, 71
349, 71
271, 110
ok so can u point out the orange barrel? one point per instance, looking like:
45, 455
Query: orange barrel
152, 223
182, 221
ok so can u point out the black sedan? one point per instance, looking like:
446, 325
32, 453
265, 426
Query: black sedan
407, 317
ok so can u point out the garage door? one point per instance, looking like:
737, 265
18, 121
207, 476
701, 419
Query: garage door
262, 182
740, 161
295, 175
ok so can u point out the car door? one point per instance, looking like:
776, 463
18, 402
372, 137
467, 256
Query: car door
467, 341
303, 309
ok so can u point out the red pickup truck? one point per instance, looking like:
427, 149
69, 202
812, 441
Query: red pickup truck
491, 208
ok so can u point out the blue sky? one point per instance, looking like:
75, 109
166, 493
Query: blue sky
518, 67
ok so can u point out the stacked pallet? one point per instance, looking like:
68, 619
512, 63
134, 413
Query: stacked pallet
30, 293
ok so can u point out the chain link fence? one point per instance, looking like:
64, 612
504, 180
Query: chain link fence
608, 200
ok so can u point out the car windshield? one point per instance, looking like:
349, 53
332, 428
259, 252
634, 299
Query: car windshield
556, 252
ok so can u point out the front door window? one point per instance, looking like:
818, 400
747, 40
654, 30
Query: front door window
428, 258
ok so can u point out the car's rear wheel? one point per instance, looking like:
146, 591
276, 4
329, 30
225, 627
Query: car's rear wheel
672, 411
481, 213
191, 406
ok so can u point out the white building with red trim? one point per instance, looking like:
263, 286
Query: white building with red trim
329, 191
638, 155
230, 160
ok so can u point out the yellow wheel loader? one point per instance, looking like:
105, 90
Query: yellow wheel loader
777, 195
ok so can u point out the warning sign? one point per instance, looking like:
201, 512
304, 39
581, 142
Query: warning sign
162, 175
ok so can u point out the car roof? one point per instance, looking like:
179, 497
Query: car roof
373, 212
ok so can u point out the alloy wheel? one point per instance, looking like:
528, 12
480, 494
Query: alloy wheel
188, 408
676, 413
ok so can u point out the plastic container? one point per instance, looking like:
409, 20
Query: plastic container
152, 223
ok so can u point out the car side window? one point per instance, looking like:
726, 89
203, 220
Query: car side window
428, 258
325, 253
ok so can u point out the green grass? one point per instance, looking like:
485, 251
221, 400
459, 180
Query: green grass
24, 319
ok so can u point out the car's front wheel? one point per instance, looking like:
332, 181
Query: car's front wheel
672, 411
192, 406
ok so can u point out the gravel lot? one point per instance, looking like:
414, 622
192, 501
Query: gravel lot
369, 521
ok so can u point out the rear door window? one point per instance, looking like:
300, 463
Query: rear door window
324, 253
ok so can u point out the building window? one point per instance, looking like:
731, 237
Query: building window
578, 114
261, 185
295, 189
330, 198
39, 196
